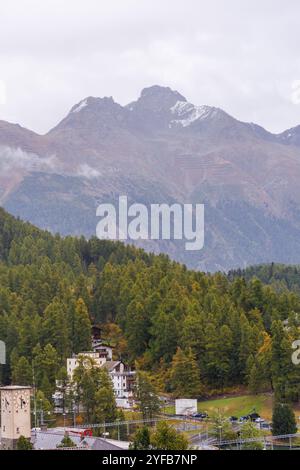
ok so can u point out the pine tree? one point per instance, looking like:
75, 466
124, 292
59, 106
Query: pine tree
283, 420
141, 439
45, 366
250, 431
55, 328
24, 444
82, 328
146, 395
66, 442
185, 374
94, 392
282, 366
137, 326
105, 402
165, 437
22, 372
254, 379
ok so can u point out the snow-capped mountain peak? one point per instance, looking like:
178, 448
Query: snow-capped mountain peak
80, 106
186, 113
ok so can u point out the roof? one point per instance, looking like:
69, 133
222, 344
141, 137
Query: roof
102, 346
110, 365
50, 439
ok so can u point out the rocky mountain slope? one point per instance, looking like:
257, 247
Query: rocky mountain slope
161, 148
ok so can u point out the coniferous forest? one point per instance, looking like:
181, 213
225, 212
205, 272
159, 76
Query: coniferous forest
196, 333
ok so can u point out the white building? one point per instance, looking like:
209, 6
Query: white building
73, 362
102, 349
123, 381
121, 375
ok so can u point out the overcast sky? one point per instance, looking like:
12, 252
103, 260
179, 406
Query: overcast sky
240, 55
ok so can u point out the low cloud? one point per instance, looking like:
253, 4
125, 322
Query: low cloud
13, 159
87, 172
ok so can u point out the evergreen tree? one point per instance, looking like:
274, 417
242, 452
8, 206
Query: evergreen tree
141, 439
185, 374
283, 420
55, 328
94, 392
137, 328
82, 328
282, 365
165, 437
250, 431
22, 372
105, 402
45, 368
221, 428
146, 396
66, 442
254, 379
24, 444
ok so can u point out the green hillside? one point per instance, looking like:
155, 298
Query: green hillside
195, 333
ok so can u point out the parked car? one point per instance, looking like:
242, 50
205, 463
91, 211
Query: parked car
259, 420
233, 419
253, 417
200, 415
243, 419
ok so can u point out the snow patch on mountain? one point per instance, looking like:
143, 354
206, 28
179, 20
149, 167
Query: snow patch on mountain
188, 113
80, 106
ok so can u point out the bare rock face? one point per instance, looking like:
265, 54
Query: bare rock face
161, 148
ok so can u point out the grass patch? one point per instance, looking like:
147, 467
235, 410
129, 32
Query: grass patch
235, 406
239, 406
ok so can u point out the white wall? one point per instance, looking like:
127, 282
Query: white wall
185, 406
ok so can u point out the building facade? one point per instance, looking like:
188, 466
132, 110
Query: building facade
73, 362
121, 375
15, 415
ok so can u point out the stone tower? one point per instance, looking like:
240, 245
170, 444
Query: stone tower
15, 415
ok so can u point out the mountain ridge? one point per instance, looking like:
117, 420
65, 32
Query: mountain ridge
160, 149
285, 136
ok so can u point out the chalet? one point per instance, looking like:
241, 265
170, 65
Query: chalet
123, 380
121, 375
